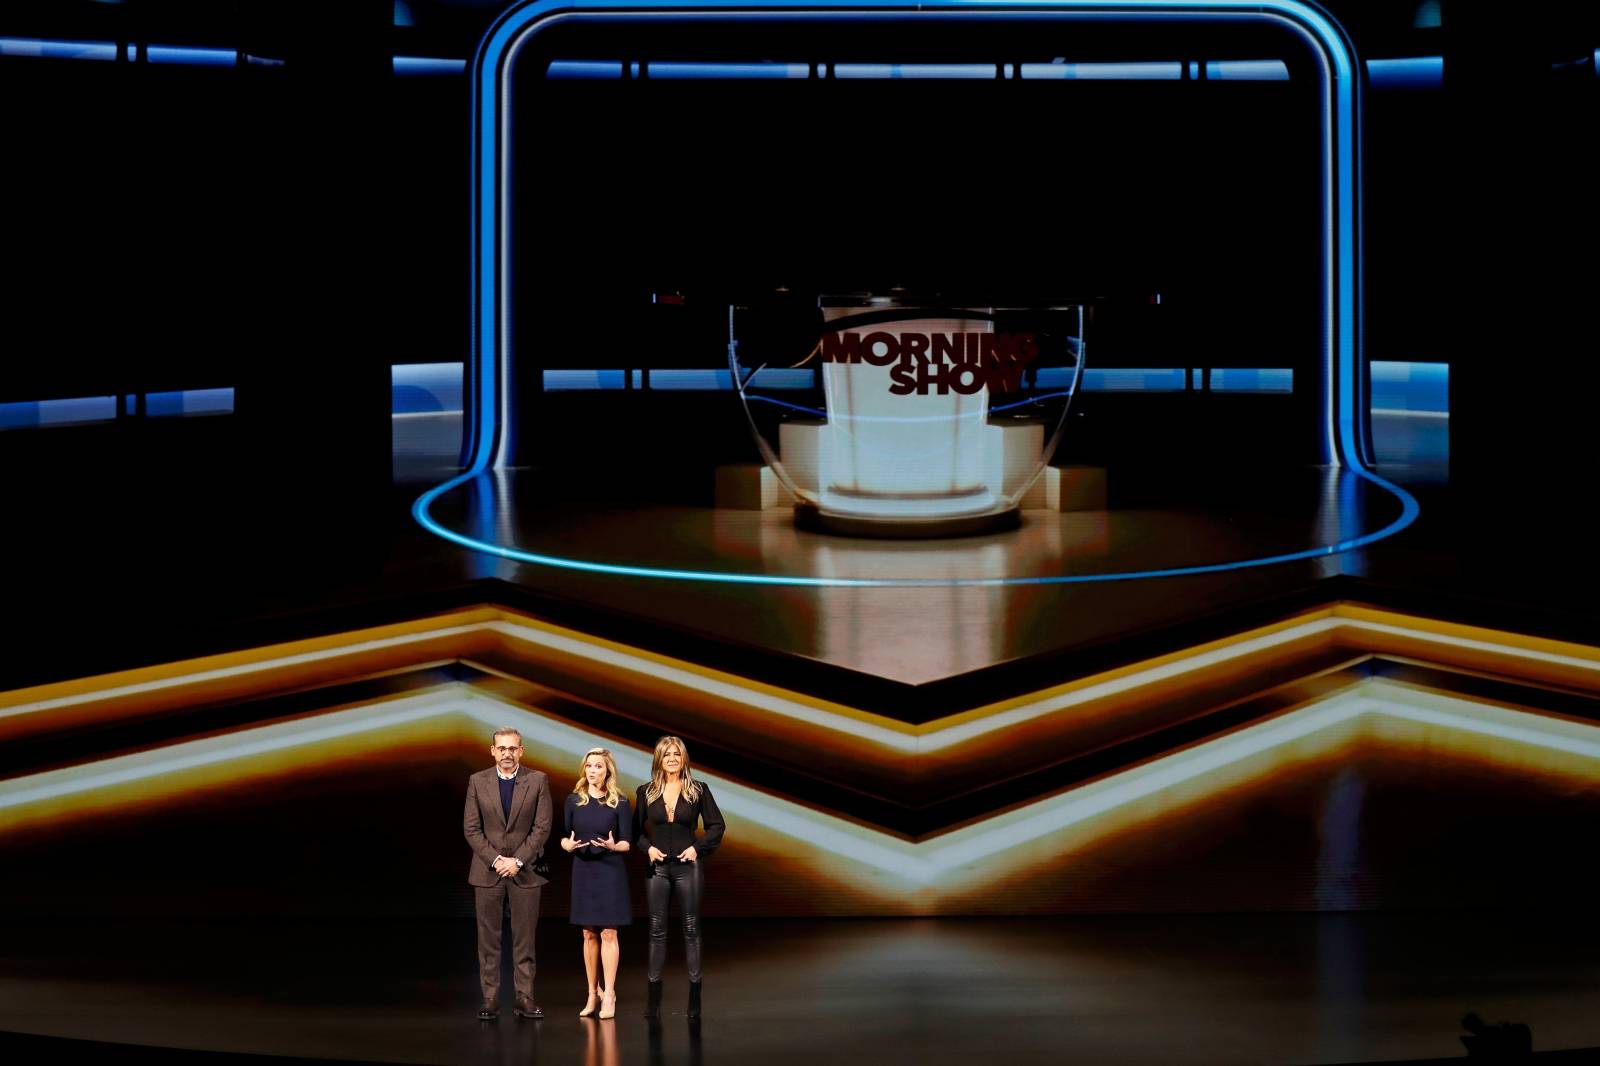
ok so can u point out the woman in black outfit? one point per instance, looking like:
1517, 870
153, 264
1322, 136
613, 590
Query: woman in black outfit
664, 814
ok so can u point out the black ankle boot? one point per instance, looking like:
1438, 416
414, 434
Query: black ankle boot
652, 1000
694, 1001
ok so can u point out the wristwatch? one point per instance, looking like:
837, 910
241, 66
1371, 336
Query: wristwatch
518, 862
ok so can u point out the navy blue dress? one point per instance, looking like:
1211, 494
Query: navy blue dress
599, 877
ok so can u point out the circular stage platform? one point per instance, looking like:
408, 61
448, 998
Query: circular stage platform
1248, 521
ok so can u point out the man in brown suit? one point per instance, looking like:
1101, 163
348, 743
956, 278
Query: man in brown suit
507, 821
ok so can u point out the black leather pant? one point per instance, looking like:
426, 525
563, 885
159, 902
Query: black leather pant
684, 881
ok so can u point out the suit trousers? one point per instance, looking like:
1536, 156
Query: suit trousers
490, 904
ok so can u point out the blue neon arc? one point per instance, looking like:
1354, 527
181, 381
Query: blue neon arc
1344, 438
420, 511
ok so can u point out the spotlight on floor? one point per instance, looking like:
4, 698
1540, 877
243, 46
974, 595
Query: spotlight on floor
1503, 1042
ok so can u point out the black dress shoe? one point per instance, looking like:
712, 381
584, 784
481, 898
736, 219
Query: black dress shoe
488, 1012
526, 1008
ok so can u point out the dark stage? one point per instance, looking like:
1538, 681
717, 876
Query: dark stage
1225, 989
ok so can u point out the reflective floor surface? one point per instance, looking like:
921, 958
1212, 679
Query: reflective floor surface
116, 567
1183, 989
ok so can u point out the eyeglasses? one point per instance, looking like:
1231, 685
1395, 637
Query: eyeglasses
505, 749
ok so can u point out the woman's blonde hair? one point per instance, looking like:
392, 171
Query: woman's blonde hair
613, 794
689, 789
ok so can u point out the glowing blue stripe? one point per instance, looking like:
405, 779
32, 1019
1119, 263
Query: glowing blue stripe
428, 65
573, 380
914, 70
193, 57
1422, 72
704, 380
766, 378
1128, 379
1247, 70
1236, 379
71, 412
772, 378
189, 402
1103, 71
27, 46
1349, 444
585, 69
672, 71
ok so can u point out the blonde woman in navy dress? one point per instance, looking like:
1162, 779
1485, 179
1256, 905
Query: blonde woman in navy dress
598, 826
665, 813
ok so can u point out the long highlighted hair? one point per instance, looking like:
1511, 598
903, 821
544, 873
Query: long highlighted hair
689, 787
581, 789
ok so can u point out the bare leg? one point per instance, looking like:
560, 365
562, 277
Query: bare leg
591, 968
610, 955
610, 952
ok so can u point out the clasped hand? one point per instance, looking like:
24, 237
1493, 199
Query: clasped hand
572, 843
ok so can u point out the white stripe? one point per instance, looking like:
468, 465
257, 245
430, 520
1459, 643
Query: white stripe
194, 754
917, 863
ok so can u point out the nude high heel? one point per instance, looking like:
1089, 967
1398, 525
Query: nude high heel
589, 1004
608, 1005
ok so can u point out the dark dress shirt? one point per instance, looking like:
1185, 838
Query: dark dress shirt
652, 829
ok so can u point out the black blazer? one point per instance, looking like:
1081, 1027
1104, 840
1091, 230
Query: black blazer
651, 828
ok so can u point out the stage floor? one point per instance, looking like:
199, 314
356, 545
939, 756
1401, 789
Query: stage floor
191, 568
1183, 989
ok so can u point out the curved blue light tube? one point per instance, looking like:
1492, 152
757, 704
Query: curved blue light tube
487, 437
420, 511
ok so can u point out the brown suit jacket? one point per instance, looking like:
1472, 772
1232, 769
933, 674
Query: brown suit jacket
491, 834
